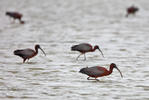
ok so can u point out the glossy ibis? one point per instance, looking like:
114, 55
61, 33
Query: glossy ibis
98, 71
84, 48
15, 15
28, 53
131, 10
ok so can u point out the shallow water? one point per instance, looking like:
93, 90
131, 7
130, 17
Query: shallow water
57, 25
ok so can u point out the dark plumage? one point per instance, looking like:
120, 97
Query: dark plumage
15, 15
84, 48
98, 71
20, 53
131, 10
28, 53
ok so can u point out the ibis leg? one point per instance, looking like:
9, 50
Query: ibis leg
88, 78
84, 57
78, 56
20, 20
27, 60
24, 60
13, 20
96, 79
92, 79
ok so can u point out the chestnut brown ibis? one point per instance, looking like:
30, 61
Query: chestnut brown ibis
98, 71
131, 10
15, 15
28, 53
84, 48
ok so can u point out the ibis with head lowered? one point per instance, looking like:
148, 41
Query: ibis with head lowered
98, 71
84, 48
15, 15
28, 53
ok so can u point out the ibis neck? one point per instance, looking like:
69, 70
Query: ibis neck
36, 50
93, 49
110, 69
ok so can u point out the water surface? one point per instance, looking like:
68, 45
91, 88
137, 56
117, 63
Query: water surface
57, 25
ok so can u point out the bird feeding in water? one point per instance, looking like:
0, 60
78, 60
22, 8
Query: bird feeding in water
15, 15
98, 71
84, 48
131, 10
28, 53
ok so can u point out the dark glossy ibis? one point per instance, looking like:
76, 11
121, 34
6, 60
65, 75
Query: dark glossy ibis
15, 15
98, 71
131, 10
28, 53
84, 48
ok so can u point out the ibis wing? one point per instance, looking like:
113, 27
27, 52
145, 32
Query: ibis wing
94, 71
24, 53
84, 47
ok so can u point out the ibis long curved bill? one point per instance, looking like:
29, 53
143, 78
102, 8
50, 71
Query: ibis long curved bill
42, 51
101, 52
119, 72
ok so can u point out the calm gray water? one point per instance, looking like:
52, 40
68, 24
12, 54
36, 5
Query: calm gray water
57, 25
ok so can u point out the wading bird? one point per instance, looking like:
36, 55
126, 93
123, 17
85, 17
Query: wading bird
15, 15
84, 48
131, 10
98, 71
28, 53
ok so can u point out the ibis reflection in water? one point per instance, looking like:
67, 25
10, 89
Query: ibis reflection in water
28, 53
98, 71
84, 48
